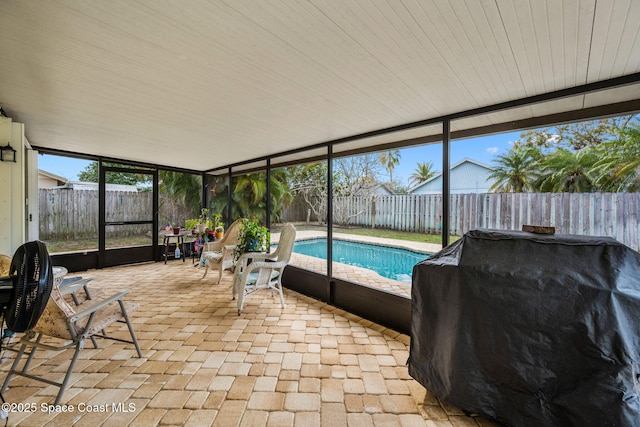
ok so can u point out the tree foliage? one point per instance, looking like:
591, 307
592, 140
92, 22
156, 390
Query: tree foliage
618, 164
565, 171
91, 174
183, 188
390, 159
310, 182
424, 172
515, 172
576, 136
354, 176
596, 155
249, 196
351, 176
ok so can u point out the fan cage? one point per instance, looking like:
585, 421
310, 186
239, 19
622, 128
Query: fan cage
32, 275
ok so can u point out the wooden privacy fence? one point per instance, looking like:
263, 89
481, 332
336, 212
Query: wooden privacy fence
597, 214
73, 214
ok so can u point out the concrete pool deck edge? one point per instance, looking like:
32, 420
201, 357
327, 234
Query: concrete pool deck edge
420, 247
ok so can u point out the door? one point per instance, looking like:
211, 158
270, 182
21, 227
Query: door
128, 224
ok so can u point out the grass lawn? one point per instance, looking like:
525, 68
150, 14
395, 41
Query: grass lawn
77, 245
391, 234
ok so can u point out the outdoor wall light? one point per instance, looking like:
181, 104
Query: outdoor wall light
7, 153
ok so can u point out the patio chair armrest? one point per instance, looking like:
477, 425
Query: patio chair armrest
212, 246
260, 256
98, 305
263, 264
69, 280
228, 248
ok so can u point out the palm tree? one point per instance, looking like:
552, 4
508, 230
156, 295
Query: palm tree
249, 194
565, 171
183, 188
281, 195
515, 171
390, 160
618, 167
424, 172
217, 200
249, 197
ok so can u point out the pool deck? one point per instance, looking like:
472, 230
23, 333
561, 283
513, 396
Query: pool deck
358, 274
429, 248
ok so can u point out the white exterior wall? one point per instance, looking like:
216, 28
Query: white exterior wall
12, 189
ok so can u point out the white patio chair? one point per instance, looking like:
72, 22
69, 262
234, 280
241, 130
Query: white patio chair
256, 271
219, 254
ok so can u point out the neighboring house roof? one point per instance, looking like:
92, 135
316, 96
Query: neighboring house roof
60, 180
376, 190
466, 176
57, 181
383, 190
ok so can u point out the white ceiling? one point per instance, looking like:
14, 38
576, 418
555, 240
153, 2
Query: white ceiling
200, 84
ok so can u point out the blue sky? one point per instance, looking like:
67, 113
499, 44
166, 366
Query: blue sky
66, 167
482, 149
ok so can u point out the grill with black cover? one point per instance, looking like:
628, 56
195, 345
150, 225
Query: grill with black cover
530, 330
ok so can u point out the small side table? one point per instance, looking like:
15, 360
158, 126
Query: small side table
179, 240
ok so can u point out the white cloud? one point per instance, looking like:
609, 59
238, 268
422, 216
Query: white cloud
492, 150
553, 139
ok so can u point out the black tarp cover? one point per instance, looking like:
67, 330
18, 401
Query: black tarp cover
530, 330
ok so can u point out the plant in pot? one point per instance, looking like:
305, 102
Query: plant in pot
202, 223
219, 231
192, 225
215, 222
252, 238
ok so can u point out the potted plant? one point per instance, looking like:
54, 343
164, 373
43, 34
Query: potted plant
209, 234
216, 220
219, 231
192, 225
252, 238
202, 225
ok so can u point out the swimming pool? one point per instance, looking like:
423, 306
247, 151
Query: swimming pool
393, 263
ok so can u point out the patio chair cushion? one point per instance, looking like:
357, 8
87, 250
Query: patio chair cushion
214, 256
5, 263
253, 277
53, 320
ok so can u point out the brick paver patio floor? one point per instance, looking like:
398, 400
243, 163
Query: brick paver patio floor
309, 364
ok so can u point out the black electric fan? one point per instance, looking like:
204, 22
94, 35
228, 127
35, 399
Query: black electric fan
31, 280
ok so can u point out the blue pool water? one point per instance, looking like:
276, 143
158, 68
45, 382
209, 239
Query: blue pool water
394, 263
